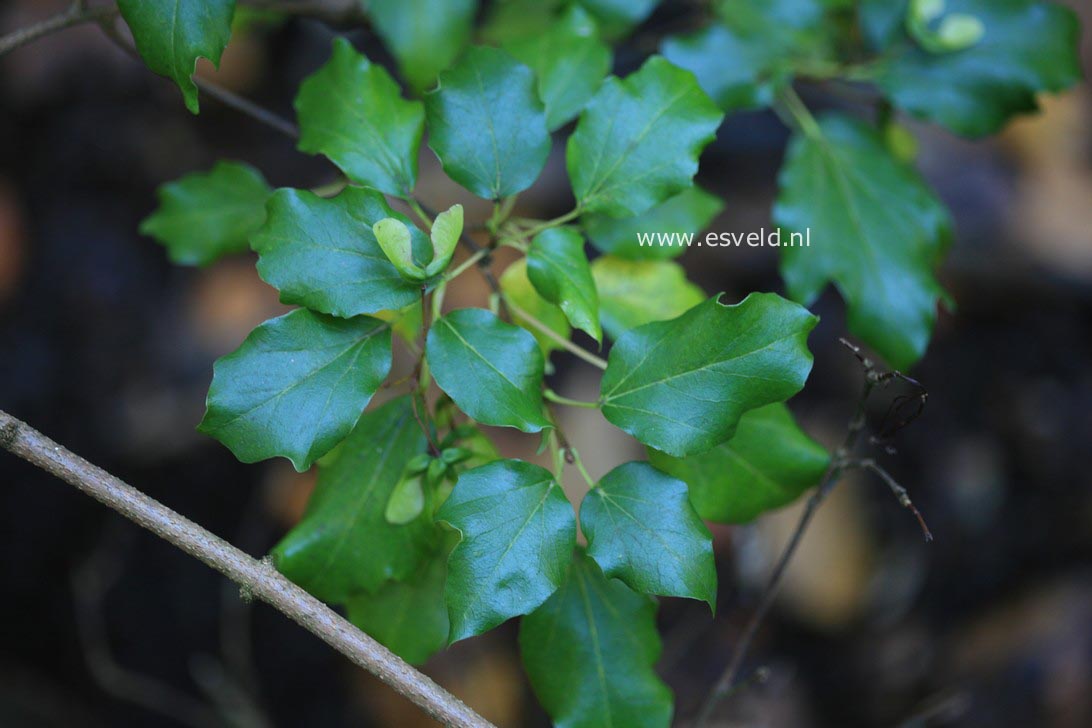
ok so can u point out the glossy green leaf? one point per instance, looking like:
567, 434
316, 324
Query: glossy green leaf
633, 293
408, 617
681, 386
171, 35
344, 545
1027, 47
493, 370
687, 213
637, 142
353, 112
767, 464
518, 532
559, 270
727, 66
642, 529
569, 61
296, 386
487, 124
322, 253
204, 216
517, 287
589, 652
425, 36
878, 233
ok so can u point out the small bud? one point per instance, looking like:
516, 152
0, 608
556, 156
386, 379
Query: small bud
394, 239
445, 236
406, 502
454, 455
960, 31
418, 463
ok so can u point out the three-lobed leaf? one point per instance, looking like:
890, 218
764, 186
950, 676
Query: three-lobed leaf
487, 125
767, 464
559, 270
171, 35
878, 232
633, 293
204, 216
517, 535
353, 112
589, 653
322, 253
493, 370
344, 546
642, 529
681, 386
296, 386
637, 142
1027, 47
639, 237
569, 61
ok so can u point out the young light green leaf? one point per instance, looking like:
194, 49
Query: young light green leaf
323, 254
681, 386
493, 370
589, 652
1026, 48
353, 112
344, 545
559, 270
296, 386
642, 529
394, 239
408, 617
446, 230
204, 216
880, 256
638, 238
569, 60
407, 500
518, 533
487, 125
424, 36
517, 287
767, 464
637, 142
633, 293
171, 35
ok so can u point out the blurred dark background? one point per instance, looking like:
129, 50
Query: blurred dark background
107, 348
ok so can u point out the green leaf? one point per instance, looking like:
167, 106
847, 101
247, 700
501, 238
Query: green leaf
642, 529
589, 653
569, 60
1028, 47
878, 233
296, 386
344, 545
322, 253
728, 67
512, 20
618, 17
516, 286
637, 142
204, 216
681, 386
408, 617
633, 293
493, 370
407, 500
487, 125
396, 242
171, 35
559, 270
353, 112
518, 533
446, 230
424, 36
767, 464
687, 213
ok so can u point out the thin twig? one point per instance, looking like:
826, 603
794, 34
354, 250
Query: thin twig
838, 463
900, 493
258, 578
75, 15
